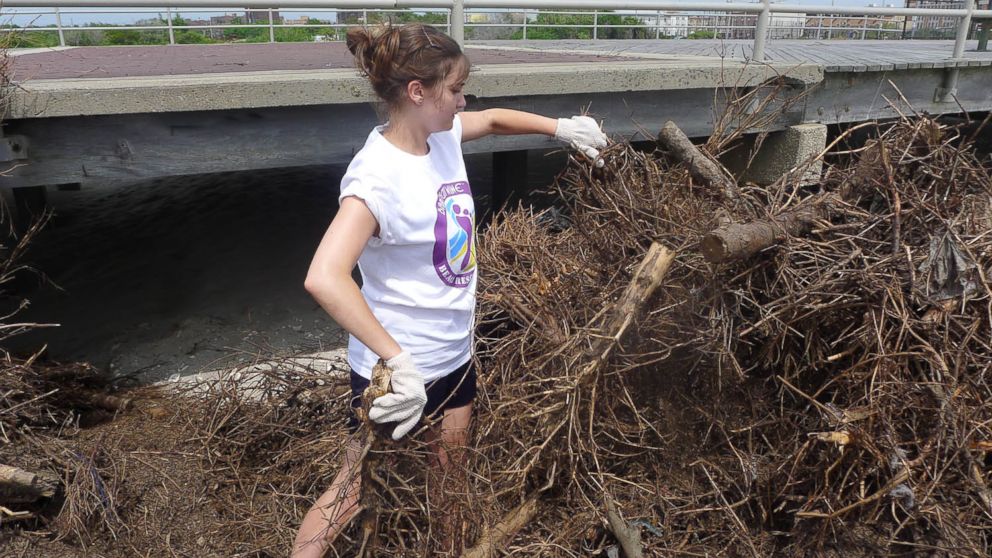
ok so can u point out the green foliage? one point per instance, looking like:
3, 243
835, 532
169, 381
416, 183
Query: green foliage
430, 18
702, 34
32, 39
585, 29
191, 37
122, 37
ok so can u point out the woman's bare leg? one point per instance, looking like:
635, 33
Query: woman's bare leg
332, 511
449, 476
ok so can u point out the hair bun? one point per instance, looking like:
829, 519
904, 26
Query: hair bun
358, 40
392, 56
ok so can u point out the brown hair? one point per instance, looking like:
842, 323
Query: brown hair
394, 55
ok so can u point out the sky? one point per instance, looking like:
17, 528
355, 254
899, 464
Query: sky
71, 17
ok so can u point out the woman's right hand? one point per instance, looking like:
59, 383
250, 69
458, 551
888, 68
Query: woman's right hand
583, 134
406, 403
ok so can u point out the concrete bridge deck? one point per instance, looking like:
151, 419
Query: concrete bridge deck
88, 114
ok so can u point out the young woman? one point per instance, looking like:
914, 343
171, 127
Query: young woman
407, 218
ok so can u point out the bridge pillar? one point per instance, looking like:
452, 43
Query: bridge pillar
781, 152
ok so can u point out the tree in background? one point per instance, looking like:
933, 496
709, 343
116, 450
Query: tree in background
580, 26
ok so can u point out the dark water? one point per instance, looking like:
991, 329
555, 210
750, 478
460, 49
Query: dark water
176, 275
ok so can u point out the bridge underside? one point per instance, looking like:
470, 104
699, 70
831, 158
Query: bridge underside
93, 149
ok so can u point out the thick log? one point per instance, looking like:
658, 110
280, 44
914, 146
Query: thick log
20, 486
742, 240
628, 537
495, 538
702, 168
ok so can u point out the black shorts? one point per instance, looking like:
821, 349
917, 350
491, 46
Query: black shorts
455, 390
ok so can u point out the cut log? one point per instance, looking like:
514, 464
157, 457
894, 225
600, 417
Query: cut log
109, 402
702, 168
742, 240
20, 486
496, 538
628, 537
631, 306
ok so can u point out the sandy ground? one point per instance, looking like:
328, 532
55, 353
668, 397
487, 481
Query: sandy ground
178, 275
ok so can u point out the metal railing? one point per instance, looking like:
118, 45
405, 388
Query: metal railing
738, 19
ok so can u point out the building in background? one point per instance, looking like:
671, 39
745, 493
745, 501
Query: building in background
935, 27
352, 17
787, 26
302, 20
854, 27
667, 24
256, 17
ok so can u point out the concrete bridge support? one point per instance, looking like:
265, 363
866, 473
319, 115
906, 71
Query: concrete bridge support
779, 153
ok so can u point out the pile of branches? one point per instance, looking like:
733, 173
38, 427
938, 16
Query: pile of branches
672, 363
811, 374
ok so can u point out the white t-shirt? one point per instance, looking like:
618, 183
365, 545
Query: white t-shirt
419, 274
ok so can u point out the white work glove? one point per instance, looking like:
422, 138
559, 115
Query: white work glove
582, 133
406, 403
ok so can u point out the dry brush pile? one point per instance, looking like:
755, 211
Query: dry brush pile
810, 376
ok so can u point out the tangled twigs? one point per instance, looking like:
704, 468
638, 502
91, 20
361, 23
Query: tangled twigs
371, 456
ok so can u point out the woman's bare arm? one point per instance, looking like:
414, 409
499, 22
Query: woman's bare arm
505, 122
330, 283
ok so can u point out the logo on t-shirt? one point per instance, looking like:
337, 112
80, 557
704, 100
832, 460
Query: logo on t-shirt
454, 234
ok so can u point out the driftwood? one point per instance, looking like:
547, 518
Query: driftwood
109, 402
702, 168
631, 306
20, 486
375, 439
629, 537
742, 240
495, 538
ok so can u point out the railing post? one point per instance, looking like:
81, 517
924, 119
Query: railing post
58, 24
983, 36
458, 22
948, 89
864, 27
525, 25
272, 29
657, 27
172, 35
963, 26
595, 24
760, 31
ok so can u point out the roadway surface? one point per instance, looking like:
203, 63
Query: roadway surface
834, 56
145, 61
171, 60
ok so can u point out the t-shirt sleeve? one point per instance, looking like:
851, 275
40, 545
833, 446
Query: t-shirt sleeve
365, 190
456, 128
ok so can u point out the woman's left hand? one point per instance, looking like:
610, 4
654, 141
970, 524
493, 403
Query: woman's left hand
582, 133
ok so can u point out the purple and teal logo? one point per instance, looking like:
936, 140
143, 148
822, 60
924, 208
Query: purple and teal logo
454, 234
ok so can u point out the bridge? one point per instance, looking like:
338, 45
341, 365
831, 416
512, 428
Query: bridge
79, 116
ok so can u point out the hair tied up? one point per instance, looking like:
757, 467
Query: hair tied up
394, 55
